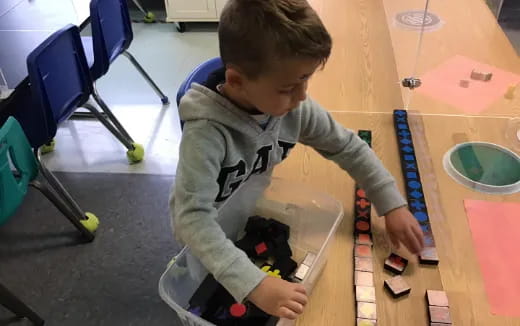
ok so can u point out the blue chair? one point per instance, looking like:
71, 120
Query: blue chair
199, 75
111, 36
61, 83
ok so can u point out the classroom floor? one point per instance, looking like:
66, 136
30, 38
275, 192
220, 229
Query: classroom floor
112, 281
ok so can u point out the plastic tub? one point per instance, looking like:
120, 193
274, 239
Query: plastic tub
312, 216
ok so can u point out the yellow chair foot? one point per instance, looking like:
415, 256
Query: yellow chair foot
135, 155
149, 17
49, 147
91, 222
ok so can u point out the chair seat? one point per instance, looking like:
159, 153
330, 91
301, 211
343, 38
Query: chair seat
88, 46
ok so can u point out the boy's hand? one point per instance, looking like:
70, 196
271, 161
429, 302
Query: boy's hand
402, 226
279, 298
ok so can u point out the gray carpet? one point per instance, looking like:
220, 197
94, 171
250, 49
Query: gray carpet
111, 281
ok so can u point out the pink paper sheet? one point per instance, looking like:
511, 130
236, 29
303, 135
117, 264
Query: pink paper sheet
495, 229
442, 83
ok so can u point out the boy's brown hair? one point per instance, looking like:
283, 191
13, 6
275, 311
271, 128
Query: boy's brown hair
255, 33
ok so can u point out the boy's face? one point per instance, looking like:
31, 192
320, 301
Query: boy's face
279, 91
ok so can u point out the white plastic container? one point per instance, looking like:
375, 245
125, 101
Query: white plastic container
312, 216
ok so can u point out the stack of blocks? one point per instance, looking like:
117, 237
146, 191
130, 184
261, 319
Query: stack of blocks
396, 285
366, 311
438, 308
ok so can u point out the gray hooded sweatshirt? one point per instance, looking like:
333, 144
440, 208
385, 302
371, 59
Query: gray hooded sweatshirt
223, 145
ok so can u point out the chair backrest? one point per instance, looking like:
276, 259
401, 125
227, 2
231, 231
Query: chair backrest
59, 75
111, 33
199, 75
18, 167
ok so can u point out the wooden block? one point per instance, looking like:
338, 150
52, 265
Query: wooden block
396, 263
397, 286
363, 279
363, 264
364, 239
437, 298
439, 324
366, 322
510, 93
362, 251
301, 272
366, 135
365, 294
429, 256
309, 259
483, 76
366, 310
476, 75
464, 83
362, 225
439, 315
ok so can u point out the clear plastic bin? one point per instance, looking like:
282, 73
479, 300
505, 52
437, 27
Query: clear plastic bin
312, 216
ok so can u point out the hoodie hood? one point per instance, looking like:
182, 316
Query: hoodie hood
201, 103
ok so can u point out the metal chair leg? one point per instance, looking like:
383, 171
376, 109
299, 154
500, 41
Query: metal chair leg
127, 142
109, 114
135, 153
17, 307
63, 208
85, 115
67, 200
164, 98
140, 7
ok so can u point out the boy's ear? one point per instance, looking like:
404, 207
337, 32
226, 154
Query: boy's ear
234, 78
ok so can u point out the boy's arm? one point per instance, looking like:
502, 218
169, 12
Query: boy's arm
201, 153
334, 142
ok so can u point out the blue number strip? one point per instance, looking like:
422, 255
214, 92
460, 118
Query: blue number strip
412, 177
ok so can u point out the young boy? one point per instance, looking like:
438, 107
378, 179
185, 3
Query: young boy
245, 120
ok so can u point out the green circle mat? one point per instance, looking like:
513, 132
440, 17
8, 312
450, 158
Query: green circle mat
484, 167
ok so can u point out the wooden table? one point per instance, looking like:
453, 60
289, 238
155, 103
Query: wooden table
359, 86
470, 29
